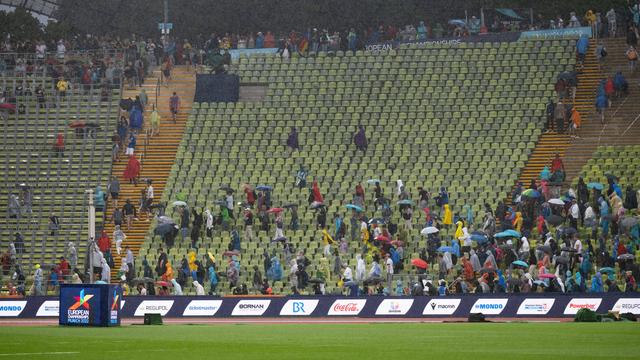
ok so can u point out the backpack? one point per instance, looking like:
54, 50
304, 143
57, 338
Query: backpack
632, 54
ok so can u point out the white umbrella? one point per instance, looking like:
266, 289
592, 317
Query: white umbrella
179, 203
373, 181
556, 202
429, 230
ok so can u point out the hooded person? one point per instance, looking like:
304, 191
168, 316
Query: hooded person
293, 273
292, 139
360, 139
213, 279
208, 223
98, 198
468, 212
199, 288
37, 281
177, 289
459, 225
317, 196
360, 268
132, 171
630, 199
72, 254
523, 252
475, 261
465, 239
490, 261
447, 219
105, 275
104, 243
168, 274
596, 283
119, 236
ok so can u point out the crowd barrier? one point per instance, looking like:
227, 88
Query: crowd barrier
494, 305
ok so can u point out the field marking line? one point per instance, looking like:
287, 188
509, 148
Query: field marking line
42, 353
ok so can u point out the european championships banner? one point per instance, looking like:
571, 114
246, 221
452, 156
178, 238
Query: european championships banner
77, 306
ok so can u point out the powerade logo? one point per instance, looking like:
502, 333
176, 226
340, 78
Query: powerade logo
489, 306
11, 308
298, 307
78, 312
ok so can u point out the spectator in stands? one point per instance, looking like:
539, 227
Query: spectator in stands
62, 86
129, 212
114, 190
611, 20
590, 19
54, 224
632, 37
58, 147
559, 115
581, 48
166, 69
98, 198
131, 146
41, 97
292, 139
174, 106
360, 139
37, 287
601, 104
155, 122
632, 56
573, 20
621, 85
15, 209
132, 171
184, 221
72, 254
576, 120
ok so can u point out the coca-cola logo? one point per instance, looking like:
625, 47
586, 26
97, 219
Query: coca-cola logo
348, 307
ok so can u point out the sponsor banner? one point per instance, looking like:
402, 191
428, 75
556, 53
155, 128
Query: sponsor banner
489, 306
394, 307
237, 53
441, 307
582, 303
250, 307
122, 304
49, 308
299, 307
12, 308
350, 307
202, 308
627, 305
161, 307
535, 306
566, 33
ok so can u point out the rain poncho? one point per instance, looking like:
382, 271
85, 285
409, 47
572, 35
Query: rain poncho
198, 287
596, 283
106, 272
455, 248
177, 289
517, 222
459, 232
275, 271
98, 198
545, 174
475, 261
466, 237
213, 277
468, 211
448, 216
360, 138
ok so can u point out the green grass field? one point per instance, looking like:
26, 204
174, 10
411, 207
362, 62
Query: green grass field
331, 341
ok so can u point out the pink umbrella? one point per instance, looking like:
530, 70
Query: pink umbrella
382, 238
275, 210
546, 276
419, 263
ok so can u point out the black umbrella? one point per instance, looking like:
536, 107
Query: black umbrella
289, 206
562, 260
568, 249
570, 231
626, 257
555, 220
163, 229
143, 280
544, 248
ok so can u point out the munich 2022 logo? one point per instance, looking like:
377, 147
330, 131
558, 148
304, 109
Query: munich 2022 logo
79, 312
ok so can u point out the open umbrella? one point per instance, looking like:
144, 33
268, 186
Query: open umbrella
142, 280
165, 220
275, 210
508, 233
279, 239
231, 253
419, 263
607, 270
554, 220
569, 230
544, 248
264, 188
405, 202
353, 207
562, 260
378, 221
540, 283
595, 185
457, 22
445, 249
178, 203
290, 206
530, 193
373, 181
316, 205
226, 188
429, 230
382, 238
546, 276
556, 202
164, 229
520, 263
626, 257
163, 283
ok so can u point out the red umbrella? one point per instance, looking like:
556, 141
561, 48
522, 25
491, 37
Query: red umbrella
419, 263
382, 238
162, 283
231, 253
77, 124
275, 210
546, 276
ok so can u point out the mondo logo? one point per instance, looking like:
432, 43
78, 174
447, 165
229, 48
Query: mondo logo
489, 306
11, 308
347, 307
582, 303
250, 307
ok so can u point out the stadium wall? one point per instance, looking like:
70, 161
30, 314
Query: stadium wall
512, 306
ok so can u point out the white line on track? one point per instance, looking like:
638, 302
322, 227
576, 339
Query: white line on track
43, 353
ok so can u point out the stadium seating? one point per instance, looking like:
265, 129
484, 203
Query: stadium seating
58, 183
621, 161
465, 118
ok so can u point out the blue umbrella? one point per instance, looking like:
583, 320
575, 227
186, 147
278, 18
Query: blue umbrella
508, 233
595, 185
478, 236
354, 207
445, 249
530, 193
405, 202
457, 22
264, 188
520, 263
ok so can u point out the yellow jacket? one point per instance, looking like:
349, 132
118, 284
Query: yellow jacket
459, 232
448, 216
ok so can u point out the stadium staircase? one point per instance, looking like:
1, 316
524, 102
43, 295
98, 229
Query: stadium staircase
156, 156
552, 142
622, 125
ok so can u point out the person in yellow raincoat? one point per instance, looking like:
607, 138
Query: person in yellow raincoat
168, 274
365, 234
155, 122
193, 267
459, 226
327, 240
517, 222
447, 219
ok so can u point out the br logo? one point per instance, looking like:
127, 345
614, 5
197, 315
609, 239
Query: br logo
298, 307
